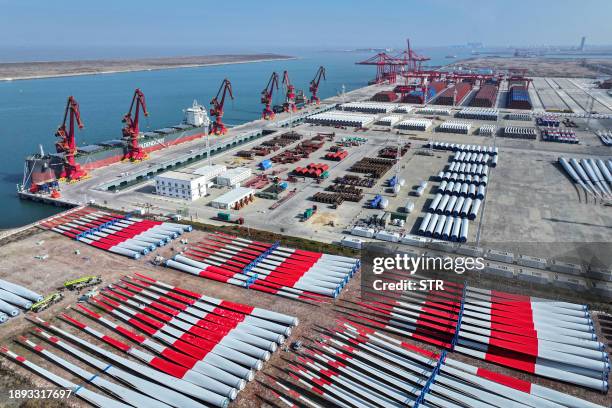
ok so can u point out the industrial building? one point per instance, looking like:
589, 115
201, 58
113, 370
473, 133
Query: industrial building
234, 199
233, 177
210, 171
176, 184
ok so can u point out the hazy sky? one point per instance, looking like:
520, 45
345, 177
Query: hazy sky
271, 25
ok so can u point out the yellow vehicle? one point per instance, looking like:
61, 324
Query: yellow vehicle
82, 282
46, 302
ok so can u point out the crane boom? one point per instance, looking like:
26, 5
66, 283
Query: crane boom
131, 130
266, 96
66, 144
289, 104
218, 127
314, 85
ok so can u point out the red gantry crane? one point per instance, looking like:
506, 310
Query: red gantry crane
314, 85
131, 130
266, 96
290, 96
66, 144
218, 128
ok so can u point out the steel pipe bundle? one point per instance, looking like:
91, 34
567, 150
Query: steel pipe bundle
270, 268
455, 127
341, 119
115, 233
357, 366
548, 338
389, 120
433, 111
519, 116
487, 130
368, 107
519, 132
478, 113
415, 124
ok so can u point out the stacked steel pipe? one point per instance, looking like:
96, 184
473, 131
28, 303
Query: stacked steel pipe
195, 350
485, 97
548, 338
120, 234
13, 297
355, 366
271, 268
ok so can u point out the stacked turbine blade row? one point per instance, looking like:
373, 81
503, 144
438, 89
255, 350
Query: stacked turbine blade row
271, 268
195, 350
548, 338
124, 235
355, 366
593, 175
13, 297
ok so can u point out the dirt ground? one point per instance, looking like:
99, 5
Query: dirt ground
63, 262
542, 67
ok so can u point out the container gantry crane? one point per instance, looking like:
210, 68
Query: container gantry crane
266, 96
218, 127
314, 85
66, 144
131, 130
289, 105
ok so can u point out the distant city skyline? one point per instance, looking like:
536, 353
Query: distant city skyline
197, 26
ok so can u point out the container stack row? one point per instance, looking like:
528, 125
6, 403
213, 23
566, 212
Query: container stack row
485, 97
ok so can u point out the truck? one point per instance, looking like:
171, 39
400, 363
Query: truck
309, 212
83, 282
227, 217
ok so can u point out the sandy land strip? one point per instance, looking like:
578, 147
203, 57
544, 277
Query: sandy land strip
40, 70
542, 66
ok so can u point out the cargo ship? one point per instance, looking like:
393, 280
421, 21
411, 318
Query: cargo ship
42, 170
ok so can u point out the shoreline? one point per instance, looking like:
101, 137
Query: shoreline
127, 70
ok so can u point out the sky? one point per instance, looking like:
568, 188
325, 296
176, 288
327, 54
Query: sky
146, 28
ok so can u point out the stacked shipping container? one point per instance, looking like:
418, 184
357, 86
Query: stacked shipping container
448, 97
485, 97
518, 98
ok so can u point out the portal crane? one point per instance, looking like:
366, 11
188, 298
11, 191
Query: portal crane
218, 127
66, 144
289, 105
131, 129
314, 85
266, 96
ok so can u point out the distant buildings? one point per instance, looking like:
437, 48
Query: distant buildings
582, 41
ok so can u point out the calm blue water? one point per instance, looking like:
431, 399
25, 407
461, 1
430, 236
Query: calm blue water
31, 110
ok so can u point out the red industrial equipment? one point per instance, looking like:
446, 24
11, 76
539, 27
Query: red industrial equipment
412, 61
218, 128
387, 67
289, 104
314, 85
266, 96
131, 129
66, 144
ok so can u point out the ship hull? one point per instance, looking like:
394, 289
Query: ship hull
42, 170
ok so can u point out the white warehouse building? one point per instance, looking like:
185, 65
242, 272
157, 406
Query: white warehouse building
234, 177
228, 201
210, 172
176, 184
